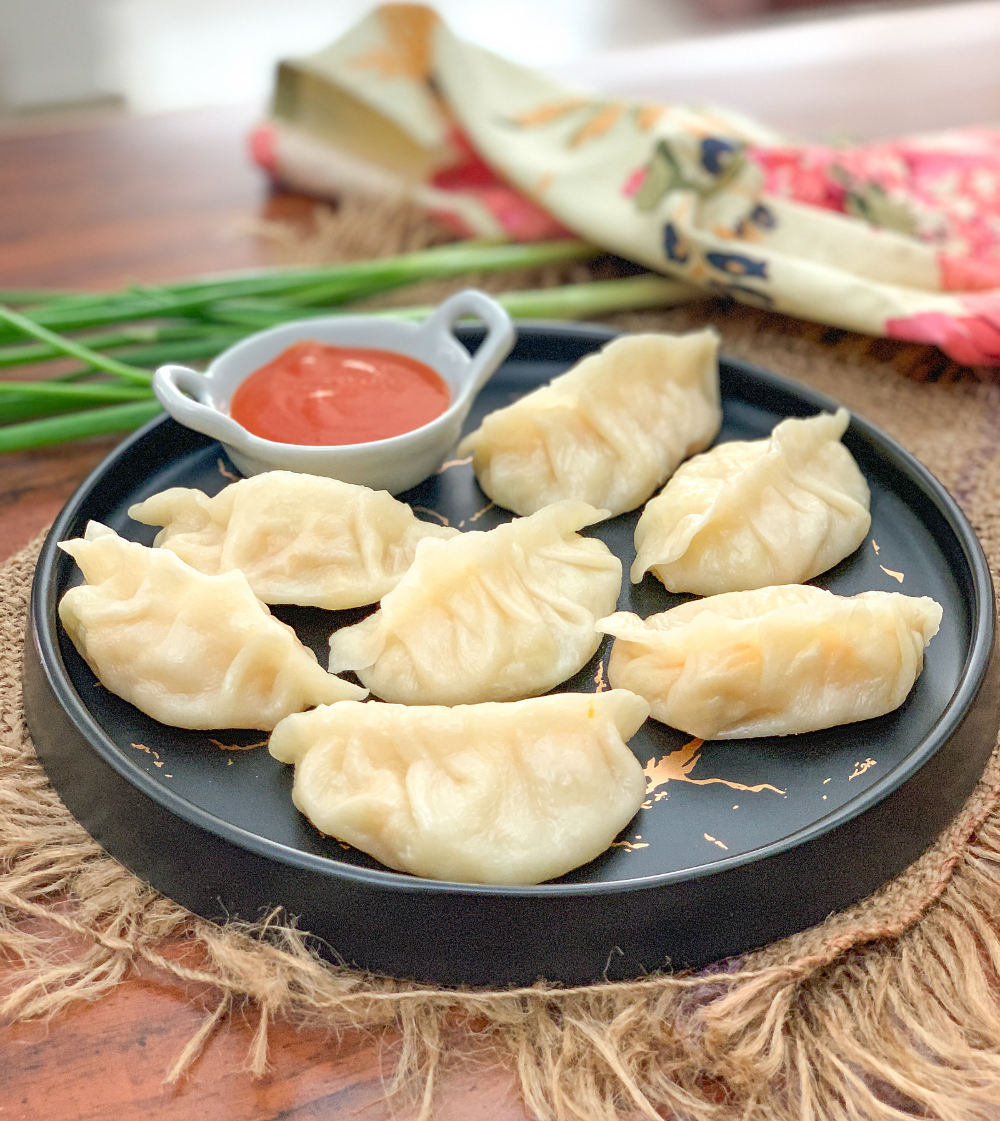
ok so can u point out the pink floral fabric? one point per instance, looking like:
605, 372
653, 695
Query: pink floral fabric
943, 189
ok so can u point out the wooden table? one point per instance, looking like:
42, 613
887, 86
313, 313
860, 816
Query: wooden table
98, 203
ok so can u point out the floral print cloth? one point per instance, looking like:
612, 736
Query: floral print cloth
899, 239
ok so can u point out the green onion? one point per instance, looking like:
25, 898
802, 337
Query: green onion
192, 320
63, 391
345, 281
74, 349
27, 400
32, 295
185, 350
77, 426
598, 297
568, 301
22, 353
16, 408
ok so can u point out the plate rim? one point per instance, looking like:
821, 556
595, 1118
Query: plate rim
972, 676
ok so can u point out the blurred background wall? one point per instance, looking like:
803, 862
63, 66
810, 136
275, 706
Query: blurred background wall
167, 54
887, 64
51, 52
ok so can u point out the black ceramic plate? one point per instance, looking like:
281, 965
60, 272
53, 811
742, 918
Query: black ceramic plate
738, 843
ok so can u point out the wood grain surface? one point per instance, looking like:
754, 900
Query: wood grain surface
104, 202
107, 1061
101, 203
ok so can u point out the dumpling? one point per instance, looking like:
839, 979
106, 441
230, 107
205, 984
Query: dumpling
492, 616
774, 661
609, 431
511, 793
297, 538
753, 513
189, 650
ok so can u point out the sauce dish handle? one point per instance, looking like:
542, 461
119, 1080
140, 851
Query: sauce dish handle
187, 397
500, 333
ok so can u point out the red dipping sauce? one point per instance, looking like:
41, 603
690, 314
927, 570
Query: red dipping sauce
318, 394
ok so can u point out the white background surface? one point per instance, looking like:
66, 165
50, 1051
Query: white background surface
173, 54
841, 74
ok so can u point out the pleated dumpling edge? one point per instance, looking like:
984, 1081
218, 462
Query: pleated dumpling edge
488, 616
773, 661
297, 538
505, 793
189, 650
757, 513
609, 431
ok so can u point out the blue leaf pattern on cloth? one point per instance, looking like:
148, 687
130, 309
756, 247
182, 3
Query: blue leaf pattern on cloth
715, 154
675, 247
737, 264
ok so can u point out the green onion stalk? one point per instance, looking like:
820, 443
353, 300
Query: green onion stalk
181, 331
78, 426
332, 283
106, 393
567, 301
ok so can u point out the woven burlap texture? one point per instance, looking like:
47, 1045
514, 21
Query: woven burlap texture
887, 1010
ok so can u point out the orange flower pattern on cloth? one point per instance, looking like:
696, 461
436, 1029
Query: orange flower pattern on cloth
408, 49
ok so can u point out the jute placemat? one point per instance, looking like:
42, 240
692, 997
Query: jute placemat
886, 1011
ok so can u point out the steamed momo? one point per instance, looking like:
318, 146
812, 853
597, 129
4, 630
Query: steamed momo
491, 616
189, 650
609, 431
297, 538
751, 514
509, 793
774, 661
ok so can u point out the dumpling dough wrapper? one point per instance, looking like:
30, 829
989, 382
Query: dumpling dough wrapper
190, 650
609, 432
488, 616
774, 661
297, 538
510, 793
755, 513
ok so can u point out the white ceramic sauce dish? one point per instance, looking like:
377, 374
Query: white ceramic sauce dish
201, 401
